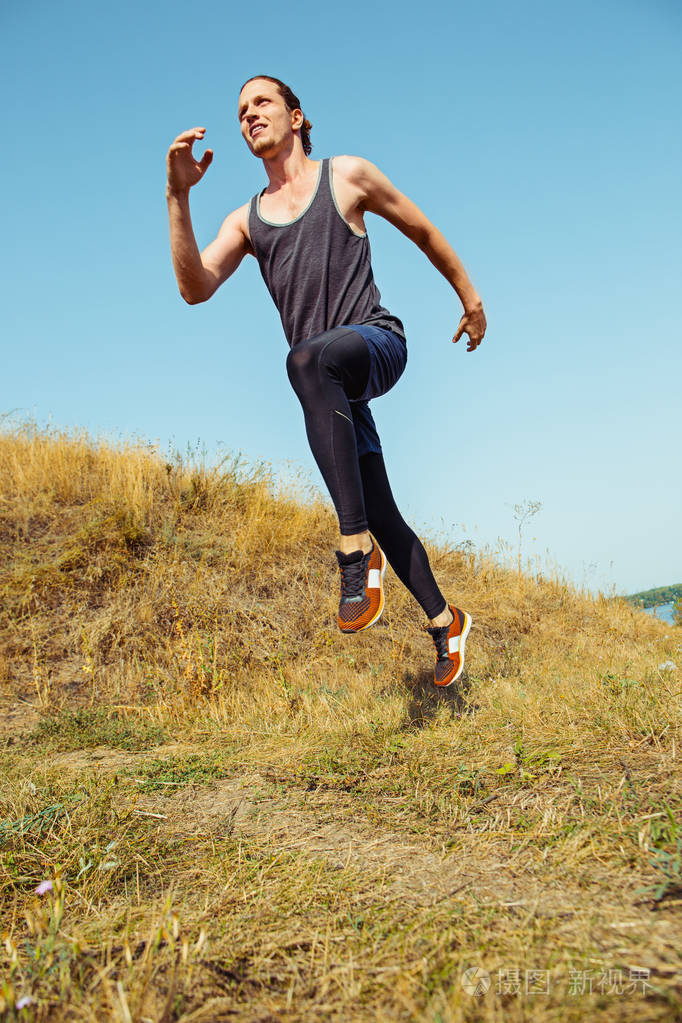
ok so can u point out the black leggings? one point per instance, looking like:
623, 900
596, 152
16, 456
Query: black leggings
325, 373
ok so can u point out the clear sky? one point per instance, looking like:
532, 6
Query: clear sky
543, 138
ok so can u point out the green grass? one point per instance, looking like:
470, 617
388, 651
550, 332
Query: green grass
178, 771
86, 729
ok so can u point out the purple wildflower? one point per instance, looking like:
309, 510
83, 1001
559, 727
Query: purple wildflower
43, 888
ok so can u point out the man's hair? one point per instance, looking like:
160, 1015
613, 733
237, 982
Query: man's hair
292, 102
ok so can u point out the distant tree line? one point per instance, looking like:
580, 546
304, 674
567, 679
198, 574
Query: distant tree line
660, 595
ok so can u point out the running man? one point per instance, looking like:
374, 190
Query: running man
307, 231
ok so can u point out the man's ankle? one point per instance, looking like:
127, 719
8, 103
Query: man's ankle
357, 542
446, 617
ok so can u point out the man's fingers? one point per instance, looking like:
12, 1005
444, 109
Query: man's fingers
474, 335
205, 161
474, 325
190, 135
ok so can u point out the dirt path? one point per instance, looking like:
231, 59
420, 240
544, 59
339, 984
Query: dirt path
604, 911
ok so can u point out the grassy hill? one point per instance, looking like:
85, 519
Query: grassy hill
244, 814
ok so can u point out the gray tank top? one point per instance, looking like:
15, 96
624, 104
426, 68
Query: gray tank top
318, 271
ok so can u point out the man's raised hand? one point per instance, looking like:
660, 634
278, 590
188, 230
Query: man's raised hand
184, 170
473, 323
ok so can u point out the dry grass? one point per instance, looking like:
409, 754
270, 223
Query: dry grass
246, 815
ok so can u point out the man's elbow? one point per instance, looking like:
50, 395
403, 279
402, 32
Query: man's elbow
196, 293
191, 298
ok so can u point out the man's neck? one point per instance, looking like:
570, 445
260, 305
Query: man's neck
287, 166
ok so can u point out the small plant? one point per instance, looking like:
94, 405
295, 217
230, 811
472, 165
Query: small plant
523, 513
469, 781
41, 681
669, 865
529, 765
33, 824
199, 654
44, 953
665, 849
618, 685
89, 665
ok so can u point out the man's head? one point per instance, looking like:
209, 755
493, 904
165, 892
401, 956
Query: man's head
269, 115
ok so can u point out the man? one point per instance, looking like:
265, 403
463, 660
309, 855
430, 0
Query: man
307, 232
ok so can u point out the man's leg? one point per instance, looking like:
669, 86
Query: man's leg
405, 552
325, 373
403, 548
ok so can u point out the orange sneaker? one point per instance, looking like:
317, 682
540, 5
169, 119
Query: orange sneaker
362, 588
449, 641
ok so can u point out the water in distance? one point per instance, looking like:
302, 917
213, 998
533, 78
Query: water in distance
662, 611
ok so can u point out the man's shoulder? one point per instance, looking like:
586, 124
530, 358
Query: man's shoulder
237, 220
353, 169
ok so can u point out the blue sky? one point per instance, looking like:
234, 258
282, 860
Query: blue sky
542, 138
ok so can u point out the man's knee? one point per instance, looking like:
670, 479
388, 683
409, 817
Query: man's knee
338, 355
302, 366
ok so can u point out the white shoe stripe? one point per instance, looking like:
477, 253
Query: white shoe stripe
453, 644
374, 579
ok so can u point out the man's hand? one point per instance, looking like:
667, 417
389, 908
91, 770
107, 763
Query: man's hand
473, 323
183, 170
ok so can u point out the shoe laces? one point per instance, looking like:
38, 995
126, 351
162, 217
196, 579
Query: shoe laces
353, 580
439, 635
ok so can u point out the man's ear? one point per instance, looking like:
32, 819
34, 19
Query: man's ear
297, 119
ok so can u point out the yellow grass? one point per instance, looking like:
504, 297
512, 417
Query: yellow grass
247, 815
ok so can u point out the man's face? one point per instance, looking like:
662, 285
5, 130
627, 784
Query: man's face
264, 120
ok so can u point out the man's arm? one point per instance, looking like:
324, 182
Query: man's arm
376, 194
199, 275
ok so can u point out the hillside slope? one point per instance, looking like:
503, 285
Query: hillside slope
246, 814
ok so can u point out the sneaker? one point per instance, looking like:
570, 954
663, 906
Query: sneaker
362, 588
449, 641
